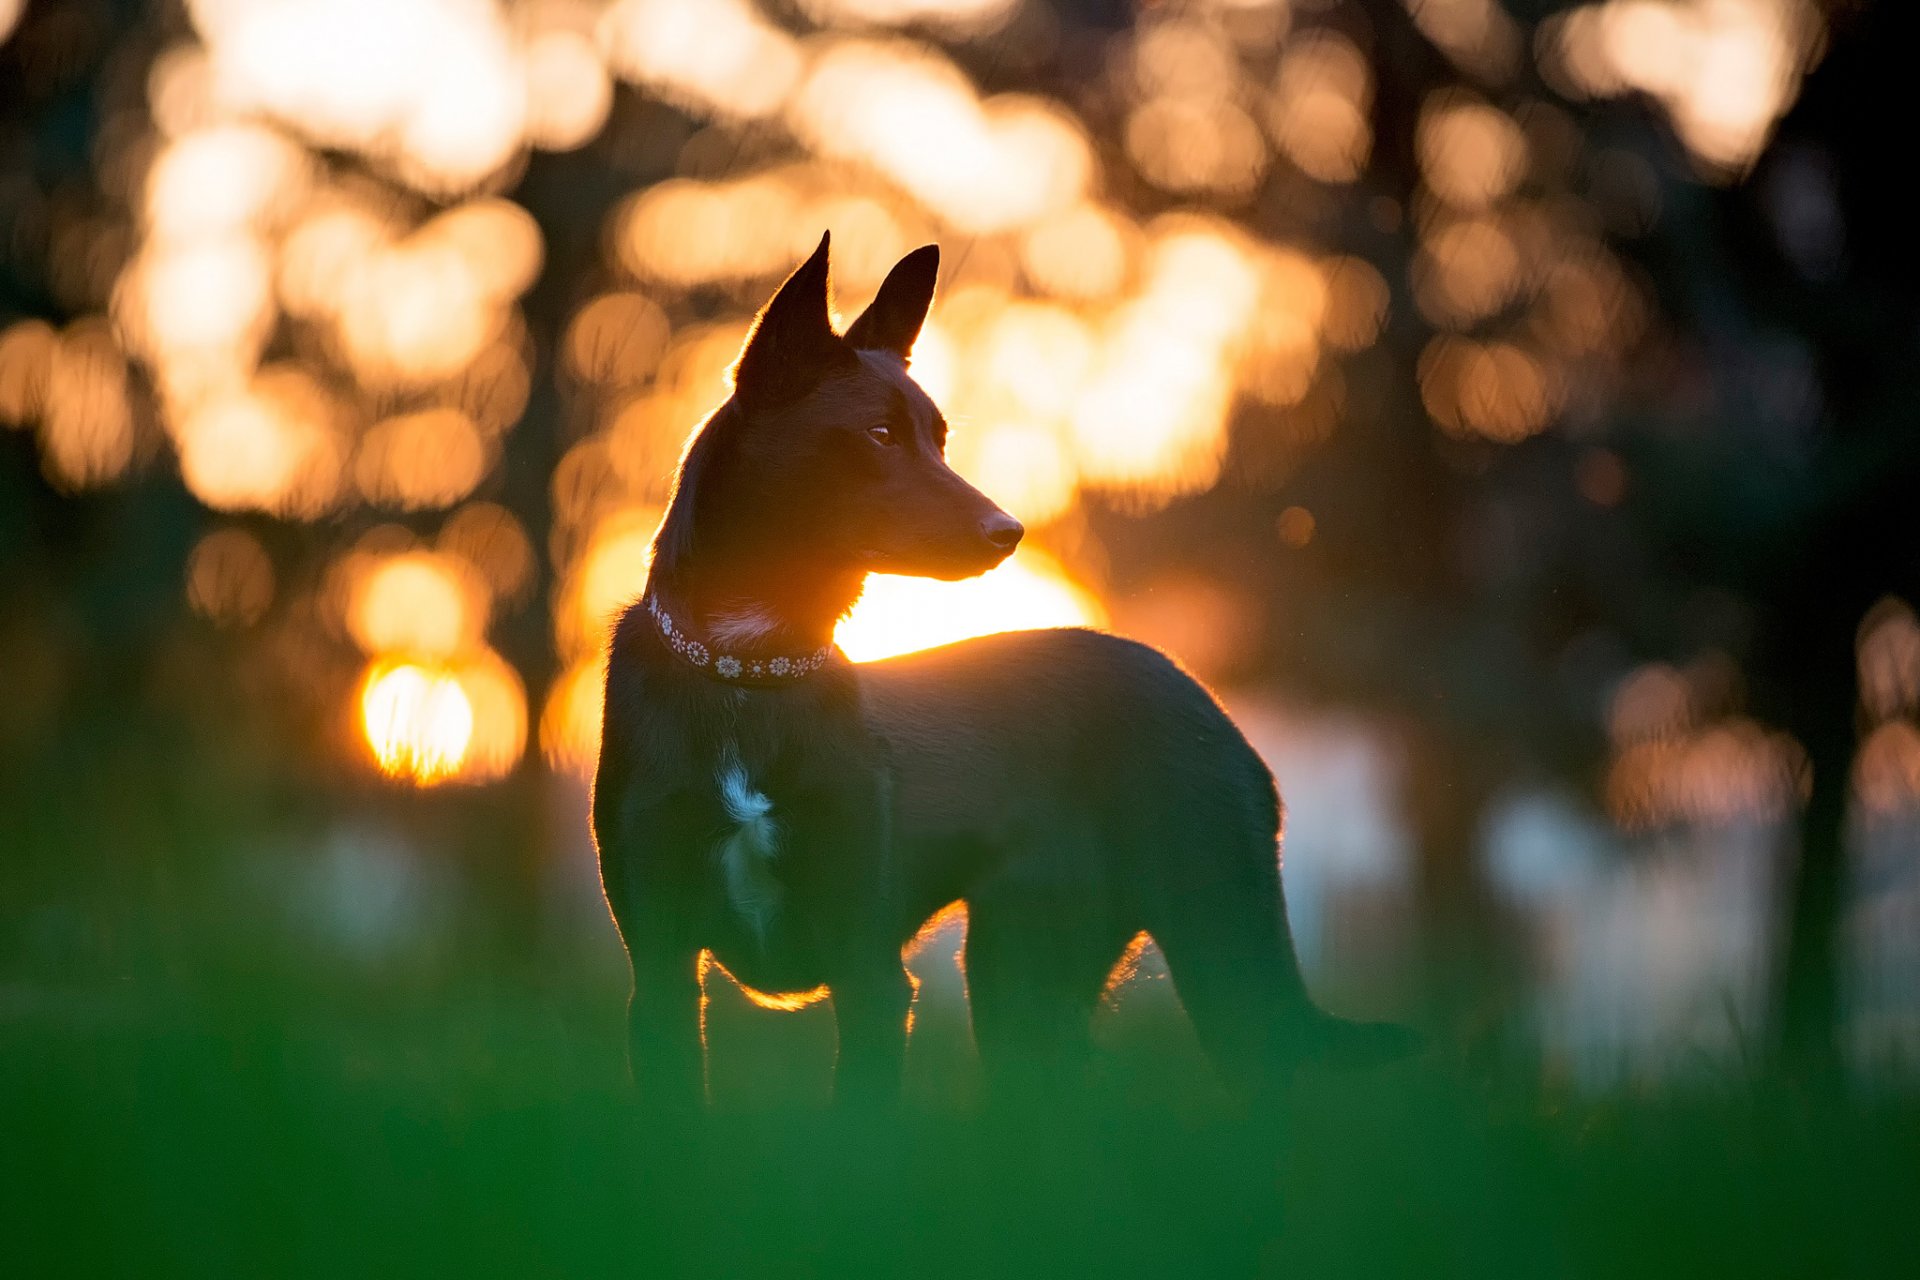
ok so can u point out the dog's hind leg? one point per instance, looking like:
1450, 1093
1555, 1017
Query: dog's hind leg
1234, 969
1036, 964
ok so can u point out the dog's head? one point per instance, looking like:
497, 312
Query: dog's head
833, 442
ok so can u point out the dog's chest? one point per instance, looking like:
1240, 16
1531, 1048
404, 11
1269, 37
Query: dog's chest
794, 856
766, 812
749, 845
768, 934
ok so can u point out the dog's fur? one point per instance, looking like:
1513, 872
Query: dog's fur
1073, 788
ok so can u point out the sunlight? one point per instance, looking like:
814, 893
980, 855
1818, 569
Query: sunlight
1126, 970
900, 615
418, 721
499, 704
428, 723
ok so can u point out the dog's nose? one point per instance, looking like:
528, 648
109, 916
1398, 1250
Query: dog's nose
1002, 530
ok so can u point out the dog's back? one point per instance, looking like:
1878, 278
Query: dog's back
1077, 789
1057, 731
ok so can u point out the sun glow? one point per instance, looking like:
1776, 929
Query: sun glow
436, 703
429, 722
418, 721
901, 615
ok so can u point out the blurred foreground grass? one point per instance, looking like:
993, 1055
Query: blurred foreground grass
486, 1129
193, 1083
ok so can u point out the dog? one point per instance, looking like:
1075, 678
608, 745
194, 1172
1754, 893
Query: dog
761, 799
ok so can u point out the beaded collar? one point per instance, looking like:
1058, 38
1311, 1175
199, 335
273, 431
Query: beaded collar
779, 669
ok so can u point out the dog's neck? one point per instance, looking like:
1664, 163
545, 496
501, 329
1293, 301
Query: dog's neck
737, 638
733, 572
768, 609
715, 659
746, 613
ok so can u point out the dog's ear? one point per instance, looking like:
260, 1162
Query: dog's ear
792, 345
892, 321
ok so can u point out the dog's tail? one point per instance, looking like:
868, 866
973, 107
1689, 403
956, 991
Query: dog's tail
1235, 970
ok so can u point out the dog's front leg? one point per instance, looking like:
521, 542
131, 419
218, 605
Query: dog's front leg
665, 1053
870, 1009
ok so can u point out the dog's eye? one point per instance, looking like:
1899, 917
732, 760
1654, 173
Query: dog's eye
880, 435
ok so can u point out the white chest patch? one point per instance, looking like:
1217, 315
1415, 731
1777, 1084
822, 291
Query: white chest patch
746, 853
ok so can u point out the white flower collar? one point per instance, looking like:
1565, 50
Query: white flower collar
732, 668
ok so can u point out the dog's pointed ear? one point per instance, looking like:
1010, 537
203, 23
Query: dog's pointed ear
892, 320
792, 345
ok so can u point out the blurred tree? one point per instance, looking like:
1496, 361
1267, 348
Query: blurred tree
1819, 245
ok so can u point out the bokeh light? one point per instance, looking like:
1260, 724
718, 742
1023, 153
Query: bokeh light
1679, 759
1724, 69
276, 445
419, 721
1319, 109
720, 56
432, 88
230, 578
428, 459
417, 602
956, 17
1889, 661
309, 297
910, 115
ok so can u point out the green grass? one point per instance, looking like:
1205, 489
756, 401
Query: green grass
192, 1085
337, 1123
